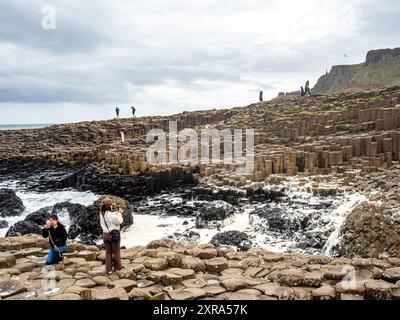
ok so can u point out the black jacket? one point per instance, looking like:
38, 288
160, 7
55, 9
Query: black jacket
59, 235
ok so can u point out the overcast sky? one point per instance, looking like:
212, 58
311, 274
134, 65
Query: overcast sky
165, 57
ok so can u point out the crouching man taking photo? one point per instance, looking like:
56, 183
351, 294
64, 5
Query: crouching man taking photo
57, 235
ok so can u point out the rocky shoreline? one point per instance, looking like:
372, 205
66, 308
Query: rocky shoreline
312, 155
169, 270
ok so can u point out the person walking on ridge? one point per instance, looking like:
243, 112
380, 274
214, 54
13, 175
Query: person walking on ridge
261, 96
307, 89
133, 111
117, 112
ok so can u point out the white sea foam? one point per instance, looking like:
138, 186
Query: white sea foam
151, 227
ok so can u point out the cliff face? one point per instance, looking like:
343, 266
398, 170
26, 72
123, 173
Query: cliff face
381, 69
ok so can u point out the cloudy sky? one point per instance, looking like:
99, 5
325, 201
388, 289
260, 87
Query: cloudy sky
170, 56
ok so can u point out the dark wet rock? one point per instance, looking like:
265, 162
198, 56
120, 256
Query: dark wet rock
187, 235
23, 227
39, 217
368, 232
10, 204
212, 212
81, 222
127, 214
237, 239
85, 221
278, 220
3, 224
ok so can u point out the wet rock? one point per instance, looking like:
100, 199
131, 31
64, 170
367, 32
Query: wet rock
278, 220
39, 217
85, 221
368, 232
213, 214
3, 224
237, 239
10, 204
123, 204
22, 228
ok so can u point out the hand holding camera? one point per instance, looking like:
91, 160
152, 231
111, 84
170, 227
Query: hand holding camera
47, 225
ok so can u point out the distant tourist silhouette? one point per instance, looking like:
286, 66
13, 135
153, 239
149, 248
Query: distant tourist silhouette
133, 111
307, 89
117, 112
261, 96
302, 92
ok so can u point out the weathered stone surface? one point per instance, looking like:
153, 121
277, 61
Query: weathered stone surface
156, 264
103, 293
208, 253
193, 263
194, 283
125, 284
378, 290
291, 278
87, 255
216, 264
368, 232
185, 273
233, 284
173, 258
7, 260
139, 294
269, 289
325, 292
392, 274
85, 283
101, 280
10, 287
66, 296
187, 294
168, 279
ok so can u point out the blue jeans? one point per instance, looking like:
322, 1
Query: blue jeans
54, 256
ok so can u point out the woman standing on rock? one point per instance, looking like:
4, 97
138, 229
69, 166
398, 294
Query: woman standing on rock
57, 235
110, 222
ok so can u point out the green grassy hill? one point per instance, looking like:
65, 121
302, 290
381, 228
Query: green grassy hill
381, 69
